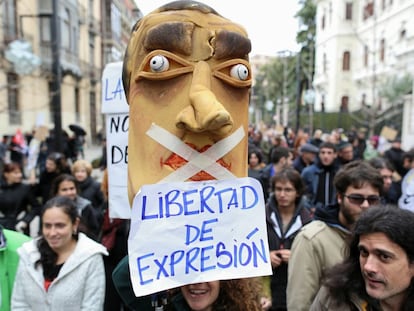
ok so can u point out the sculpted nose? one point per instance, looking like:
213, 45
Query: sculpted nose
205, 112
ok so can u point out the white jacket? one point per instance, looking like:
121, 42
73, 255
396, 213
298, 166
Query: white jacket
80, 284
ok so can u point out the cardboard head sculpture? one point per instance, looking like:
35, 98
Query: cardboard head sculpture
187, 81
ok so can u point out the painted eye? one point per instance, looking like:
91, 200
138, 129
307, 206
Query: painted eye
159, 63
240, 72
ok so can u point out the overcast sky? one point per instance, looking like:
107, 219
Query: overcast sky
271, 24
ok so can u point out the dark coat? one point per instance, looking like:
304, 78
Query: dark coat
14, 199
311, 175
282, 240
91, 189
42, 189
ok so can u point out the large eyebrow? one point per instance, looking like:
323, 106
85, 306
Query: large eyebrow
171, 36
231, 44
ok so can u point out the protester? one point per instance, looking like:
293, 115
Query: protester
345, 153
235, 295
62, 269
377, 273
65, 185
395, 155
256, 164
306, 156
16, 198
55, 165
10, 241
319, 176
392, 188
406, 200
285, 215
88, 187
320, 244
280, 159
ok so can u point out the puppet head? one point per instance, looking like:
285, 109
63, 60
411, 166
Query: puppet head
187, 80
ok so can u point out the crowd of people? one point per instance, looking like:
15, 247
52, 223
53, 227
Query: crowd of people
316, 189
72, 244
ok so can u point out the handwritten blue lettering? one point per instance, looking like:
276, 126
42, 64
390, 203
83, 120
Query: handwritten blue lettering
200, 234
117, 91
200, 259
198, 201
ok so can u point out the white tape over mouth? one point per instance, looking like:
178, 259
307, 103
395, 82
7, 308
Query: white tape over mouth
205, 161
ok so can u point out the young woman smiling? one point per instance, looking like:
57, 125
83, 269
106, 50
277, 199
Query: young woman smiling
62, 269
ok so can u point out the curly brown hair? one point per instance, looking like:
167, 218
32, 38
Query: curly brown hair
239, 295
235, 295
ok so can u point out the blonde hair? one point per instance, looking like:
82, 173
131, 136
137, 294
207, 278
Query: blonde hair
82, 164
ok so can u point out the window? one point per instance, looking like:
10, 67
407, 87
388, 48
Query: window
45, 33
13, 99
382, 50
77, 105
90, 8
323, 103
364, 99
344, 104
366, 55
66, 29
330, 13
348, 11
323, 21
368, 10
324, 63
9, 23
91, 49
346, 61
403, 33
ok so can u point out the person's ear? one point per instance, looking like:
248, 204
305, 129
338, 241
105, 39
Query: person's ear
339, 198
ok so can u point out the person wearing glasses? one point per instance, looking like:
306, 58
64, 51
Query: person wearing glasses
378, 271
321, 243
285, 215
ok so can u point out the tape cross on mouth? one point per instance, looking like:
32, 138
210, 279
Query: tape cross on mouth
205, 161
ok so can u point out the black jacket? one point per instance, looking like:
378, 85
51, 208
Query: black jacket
14, 199
91, 189
282, 240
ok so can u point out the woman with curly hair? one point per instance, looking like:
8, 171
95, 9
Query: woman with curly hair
226, 295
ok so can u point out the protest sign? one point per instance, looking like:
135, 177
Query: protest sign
115, 108
190, 232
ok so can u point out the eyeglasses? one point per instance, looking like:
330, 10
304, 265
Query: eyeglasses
358, 199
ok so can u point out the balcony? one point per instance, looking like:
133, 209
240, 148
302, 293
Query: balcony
68, 60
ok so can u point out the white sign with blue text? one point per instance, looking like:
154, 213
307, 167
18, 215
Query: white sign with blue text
190, 232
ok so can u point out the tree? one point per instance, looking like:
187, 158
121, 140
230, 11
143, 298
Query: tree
306, 38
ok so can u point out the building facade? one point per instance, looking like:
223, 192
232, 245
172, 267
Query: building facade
74, 40
359, 45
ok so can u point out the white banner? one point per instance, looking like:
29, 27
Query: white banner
189, 232
116, 108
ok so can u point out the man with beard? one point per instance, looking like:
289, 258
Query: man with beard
321, 244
